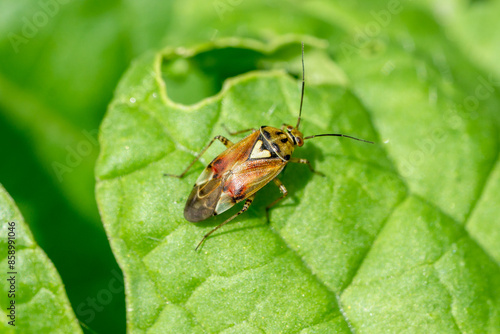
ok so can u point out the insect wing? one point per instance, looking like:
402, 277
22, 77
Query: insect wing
202, 201
204, 197
233, 156
247, 178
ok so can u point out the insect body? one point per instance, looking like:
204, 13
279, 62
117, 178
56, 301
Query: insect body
244, 168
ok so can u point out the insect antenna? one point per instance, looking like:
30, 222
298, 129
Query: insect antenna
303, 84
338, 135
300, 110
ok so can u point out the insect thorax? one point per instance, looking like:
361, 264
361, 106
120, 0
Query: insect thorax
279, 141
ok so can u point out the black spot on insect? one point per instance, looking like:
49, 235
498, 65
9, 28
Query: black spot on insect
238, 198
276, 147
284, 140
239, 192
279, 133
287, 157
266, 134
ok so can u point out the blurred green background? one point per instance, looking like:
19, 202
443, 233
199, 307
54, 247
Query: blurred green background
61, 60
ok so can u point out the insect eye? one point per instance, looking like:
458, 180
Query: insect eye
300, 142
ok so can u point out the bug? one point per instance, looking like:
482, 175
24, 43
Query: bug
244, 168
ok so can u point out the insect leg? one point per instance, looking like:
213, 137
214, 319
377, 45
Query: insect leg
222, 139
283, 191
238, 132
245, 207
306, 162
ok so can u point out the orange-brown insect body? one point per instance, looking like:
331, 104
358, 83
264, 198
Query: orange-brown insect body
241, 170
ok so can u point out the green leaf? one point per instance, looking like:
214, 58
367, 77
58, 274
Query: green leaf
41, 304
41, 79
369, 248
60, 62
